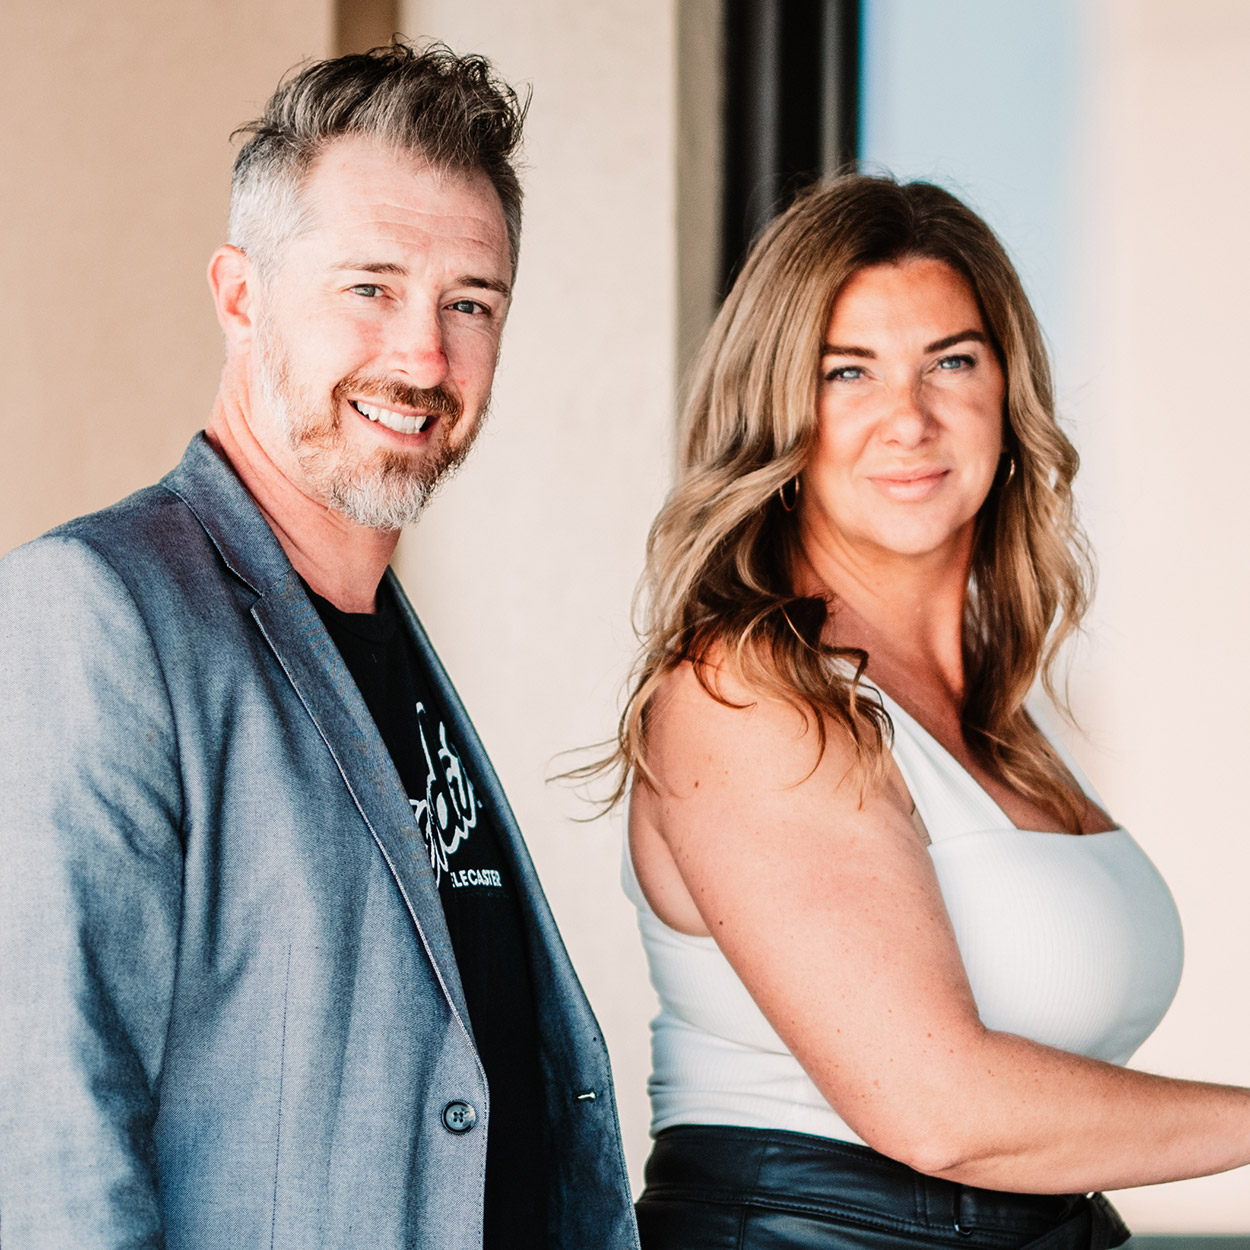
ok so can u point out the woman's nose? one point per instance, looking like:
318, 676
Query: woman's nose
908, 421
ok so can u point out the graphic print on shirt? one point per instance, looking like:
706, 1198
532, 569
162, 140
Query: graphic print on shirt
448, 812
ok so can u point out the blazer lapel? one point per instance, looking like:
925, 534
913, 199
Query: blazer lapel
312, 663
570, 1027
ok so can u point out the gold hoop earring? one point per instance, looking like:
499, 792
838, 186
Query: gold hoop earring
1011, 469
794, 497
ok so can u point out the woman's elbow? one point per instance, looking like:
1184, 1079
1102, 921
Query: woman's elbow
927, 1138
935, 1153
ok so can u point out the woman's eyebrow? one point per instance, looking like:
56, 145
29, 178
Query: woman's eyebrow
964, 336
866, 353
863, 353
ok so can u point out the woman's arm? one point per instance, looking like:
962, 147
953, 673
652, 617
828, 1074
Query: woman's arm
830, 912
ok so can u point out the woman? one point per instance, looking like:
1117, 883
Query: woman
902, 951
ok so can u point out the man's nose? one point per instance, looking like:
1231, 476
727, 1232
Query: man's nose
415, 349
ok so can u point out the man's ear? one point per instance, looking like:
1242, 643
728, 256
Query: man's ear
233, 281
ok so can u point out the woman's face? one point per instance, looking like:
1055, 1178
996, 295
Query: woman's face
909, 414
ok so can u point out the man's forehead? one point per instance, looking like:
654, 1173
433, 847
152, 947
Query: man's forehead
354, 177
373, 206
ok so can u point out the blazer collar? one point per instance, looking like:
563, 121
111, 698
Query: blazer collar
230, 517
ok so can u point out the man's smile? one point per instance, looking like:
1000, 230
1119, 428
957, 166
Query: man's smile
401, 423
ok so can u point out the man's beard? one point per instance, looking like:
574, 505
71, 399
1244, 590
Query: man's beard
384, 489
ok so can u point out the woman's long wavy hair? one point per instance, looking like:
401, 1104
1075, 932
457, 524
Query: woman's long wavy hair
718, 583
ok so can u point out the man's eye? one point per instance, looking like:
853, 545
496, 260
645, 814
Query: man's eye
468, 306
368, 289
844, 373
956, 362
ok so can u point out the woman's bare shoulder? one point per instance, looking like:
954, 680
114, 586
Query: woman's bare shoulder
728, 759
718, 743
713, 709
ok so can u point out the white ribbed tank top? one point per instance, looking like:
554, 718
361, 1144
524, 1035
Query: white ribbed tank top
1074, 942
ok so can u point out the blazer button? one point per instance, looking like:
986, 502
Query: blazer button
459, 1117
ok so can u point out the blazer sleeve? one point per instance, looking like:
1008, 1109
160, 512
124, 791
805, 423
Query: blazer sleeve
90, 887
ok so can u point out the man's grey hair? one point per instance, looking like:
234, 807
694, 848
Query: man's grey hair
452, 110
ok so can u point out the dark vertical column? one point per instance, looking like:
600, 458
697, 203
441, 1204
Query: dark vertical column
841, 77
791, 107
753, 101
363, 24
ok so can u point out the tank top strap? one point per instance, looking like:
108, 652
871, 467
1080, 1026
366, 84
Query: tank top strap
1046, 719
949, 799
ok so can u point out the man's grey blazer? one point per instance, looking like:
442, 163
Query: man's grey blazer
230, 1016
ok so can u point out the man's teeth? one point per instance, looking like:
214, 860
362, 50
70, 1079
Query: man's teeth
392, 420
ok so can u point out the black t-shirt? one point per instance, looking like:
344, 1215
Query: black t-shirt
479, 900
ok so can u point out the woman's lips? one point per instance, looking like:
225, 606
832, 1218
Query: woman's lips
910, 487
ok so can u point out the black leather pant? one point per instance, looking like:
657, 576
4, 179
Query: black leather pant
713, 1188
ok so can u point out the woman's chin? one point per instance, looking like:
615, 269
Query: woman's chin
922, 543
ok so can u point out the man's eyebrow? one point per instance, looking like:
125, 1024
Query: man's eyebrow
486, 284
373, 266
390, 267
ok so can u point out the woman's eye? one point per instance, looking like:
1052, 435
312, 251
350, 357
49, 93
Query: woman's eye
844, 373
956, 362
368, 289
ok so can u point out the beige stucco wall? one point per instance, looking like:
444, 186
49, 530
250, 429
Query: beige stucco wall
114, 172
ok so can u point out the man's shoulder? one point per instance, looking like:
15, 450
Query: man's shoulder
136, 538
139, 517
141, 578
193, 527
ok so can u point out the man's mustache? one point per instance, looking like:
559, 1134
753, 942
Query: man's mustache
440, 400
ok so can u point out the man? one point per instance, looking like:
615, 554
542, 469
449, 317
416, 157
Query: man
275, 969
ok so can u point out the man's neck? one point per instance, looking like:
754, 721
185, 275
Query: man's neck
341, 560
